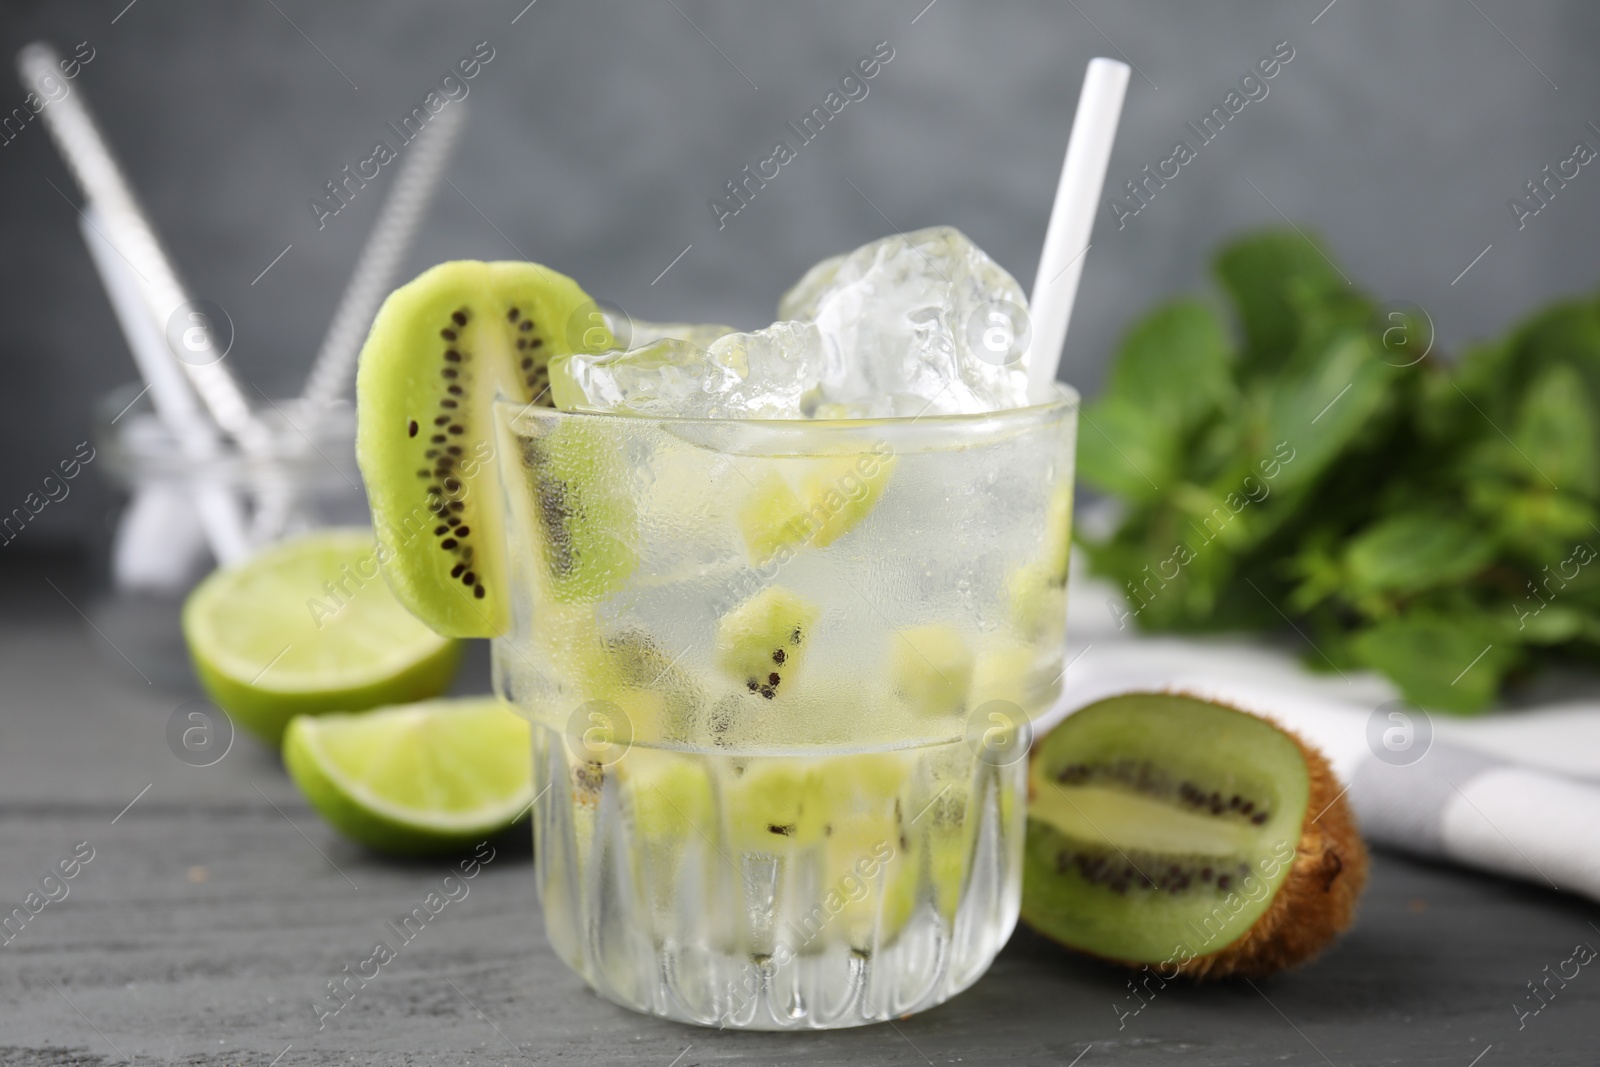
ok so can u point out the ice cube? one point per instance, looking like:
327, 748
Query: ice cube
918, 323
758, 375
637, 333
925, 321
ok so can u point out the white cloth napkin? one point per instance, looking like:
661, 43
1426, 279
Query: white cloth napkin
1503, 793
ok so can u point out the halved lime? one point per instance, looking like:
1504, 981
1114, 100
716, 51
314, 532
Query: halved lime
416, 780
306, 627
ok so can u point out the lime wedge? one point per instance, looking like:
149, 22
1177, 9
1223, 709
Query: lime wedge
306, 627
416, 780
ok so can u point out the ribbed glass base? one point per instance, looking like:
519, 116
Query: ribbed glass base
777, 892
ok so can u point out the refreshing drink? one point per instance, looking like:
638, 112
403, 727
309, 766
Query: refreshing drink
780, 675
779, 605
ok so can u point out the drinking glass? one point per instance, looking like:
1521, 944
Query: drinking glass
780, 675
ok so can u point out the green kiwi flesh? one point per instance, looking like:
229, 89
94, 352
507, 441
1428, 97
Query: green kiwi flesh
441, 349
930, 667
1160, 827
582, 507
761, 642
835, 495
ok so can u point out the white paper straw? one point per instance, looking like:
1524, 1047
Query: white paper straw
220, 513
333, 371
1066, 241
124, 225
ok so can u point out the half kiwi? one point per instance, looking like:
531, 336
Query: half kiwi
1176, 833
441, 350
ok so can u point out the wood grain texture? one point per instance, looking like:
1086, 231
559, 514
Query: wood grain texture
217, 907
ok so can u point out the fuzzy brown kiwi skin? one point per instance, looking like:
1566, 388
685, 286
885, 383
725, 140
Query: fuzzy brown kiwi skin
1314, 904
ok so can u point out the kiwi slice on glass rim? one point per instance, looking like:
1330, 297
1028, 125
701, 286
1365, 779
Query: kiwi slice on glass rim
1171, 832
441, 350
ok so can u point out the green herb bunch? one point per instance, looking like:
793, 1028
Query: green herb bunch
1319, 467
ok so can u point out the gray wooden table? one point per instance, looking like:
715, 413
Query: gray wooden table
216, 907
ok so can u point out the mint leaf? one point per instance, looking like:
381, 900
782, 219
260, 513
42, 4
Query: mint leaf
1175, 362
1415, 550
1493, 377
1436, 661
1122, 451
1538, 623
1321, 412
1170, 377
1556, 431
1271, 277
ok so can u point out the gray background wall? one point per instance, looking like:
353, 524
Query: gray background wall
601, 128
